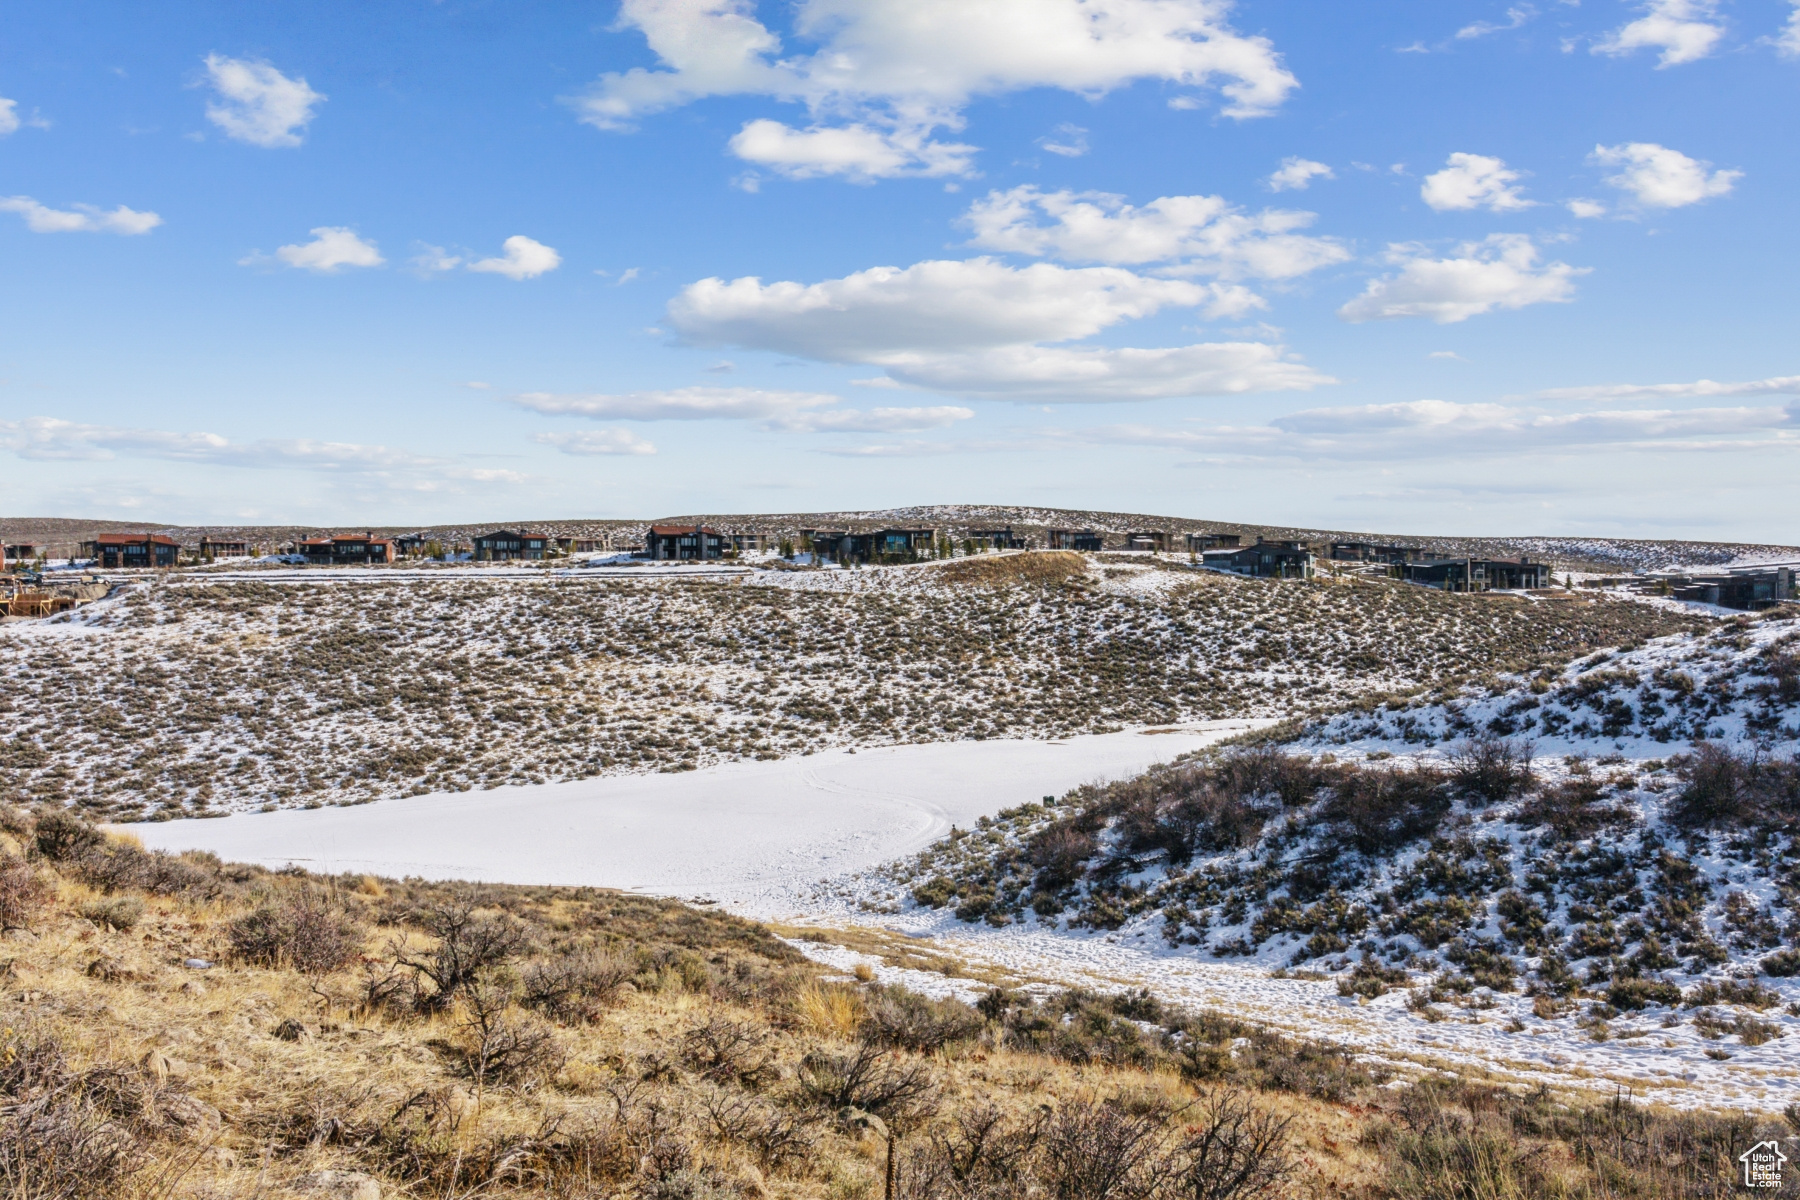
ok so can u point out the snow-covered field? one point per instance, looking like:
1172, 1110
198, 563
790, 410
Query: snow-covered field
759, 836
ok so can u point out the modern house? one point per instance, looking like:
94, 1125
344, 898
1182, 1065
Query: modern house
749, 543
1084, 540
212, 547
115, 550
1155, 539
347, 550
1746, 590
998, 539
877, 545
683, 543
1265, 560
20, 551
1375, 552
507, 545
1197, 542
1476, 574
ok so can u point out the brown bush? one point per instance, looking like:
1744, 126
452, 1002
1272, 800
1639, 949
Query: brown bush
61, 836
1378, 810
575, 988
727, 1051
870, 1078
304, 932
22, 893
898, 1017
1491, 770
468, 945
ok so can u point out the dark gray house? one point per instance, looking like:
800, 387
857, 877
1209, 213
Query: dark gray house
506, 545
1476, 574
1265, 560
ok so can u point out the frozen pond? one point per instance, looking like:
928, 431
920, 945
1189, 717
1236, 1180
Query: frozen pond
752, 835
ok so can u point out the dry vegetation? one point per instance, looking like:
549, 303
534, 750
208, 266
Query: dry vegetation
187, 696
181, 1027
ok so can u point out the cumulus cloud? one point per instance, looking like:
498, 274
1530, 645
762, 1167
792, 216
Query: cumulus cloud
1684, 30
978, 327
1502, 271
1296, 174
258, 104
1579, 207
1779, 385
1788, 41
522, 259
596, 441
891, 314
1204, 234
82, 218
52, 438
1405, 431
883, 75
859, 152
1658, 177
332, 249
9, 116
1473, 181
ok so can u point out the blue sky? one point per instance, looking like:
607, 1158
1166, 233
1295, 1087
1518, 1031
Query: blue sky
1423, 267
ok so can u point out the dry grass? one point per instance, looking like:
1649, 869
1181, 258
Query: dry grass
1048, 566
716, 1070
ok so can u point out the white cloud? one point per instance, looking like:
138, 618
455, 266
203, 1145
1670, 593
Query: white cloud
1515, 17
891, 314
51, 438
885, 73
1788, 43
1501, 271
1296, 174
1659, 177
523, 259
1684, 30
257, 103
859, 152
9, 116
333, 247
1473, 181
977, 327
83, 218
1070, 141
1080, 374
596, 441
1586, 208
786, 412
433, 260
677, 404
872, 420
1205, 233
1407, 431
1779, 385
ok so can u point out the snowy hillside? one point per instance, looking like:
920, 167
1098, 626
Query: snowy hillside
1605, 851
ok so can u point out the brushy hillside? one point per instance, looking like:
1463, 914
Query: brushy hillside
1634, 863
179, 1027
185, 696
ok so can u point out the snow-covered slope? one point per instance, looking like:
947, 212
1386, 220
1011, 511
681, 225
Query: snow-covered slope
1600, 854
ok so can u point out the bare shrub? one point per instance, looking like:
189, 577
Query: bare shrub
869, 1078
22, 893
1100, 1152
775, 1136
727, 1051
62, 1147
575, 988
1722, 787
1060, 854
1491, 770
898, 1017
501, 1047
111, 868
1234, 1151
468, 944
304, 932
979, 1155
1379, 810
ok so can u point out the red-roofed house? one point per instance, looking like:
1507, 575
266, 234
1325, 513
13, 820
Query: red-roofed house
347, 550
676, 543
